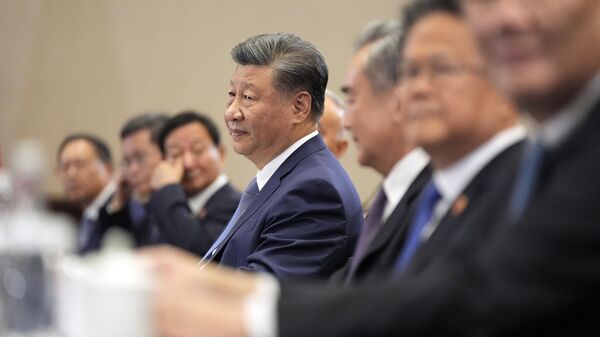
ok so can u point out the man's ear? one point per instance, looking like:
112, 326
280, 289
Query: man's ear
342, 147
302, 105
107, 168
218, 152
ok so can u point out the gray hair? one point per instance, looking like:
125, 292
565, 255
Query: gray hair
383, 59
297, 65
340, 110
337, 99
152, 121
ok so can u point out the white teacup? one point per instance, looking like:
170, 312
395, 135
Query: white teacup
104, 295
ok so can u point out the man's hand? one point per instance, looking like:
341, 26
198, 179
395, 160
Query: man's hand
121, 195
190, 302
166, 173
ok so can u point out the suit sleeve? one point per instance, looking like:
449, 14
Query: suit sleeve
178, 225
104, 222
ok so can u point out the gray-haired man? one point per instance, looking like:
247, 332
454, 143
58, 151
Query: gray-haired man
300, 216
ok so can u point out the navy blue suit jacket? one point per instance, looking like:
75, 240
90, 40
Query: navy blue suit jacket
169, 210
302, 224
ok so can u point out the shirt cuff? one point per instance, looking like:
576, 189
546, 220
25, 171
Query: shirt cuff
260, 308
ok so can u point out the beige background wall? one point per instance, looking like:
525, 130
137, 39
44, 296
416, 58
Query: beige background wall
88, 65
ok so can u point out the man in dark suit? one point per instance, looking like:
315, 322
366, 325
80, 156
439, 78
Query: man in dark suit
468, 127
141, 155
85, 170
374, 117
538, 270
192, 199
471, 139
301, 215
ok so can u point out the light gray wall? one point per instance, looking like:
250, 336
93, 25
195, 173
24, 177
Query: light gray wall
72, 65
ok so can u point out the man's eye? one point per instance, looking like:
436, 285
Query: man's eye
248, 97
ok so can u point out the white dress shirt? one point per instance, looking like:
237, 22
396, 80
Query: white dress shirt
93, 210
452, 180
199, 200
263, 176
400, 177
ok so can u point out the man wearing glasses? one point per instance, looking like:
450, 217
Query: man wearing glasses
141, 155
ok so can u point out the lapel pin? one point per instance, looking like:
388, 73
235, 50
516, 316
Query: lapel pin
202, 213
460, 205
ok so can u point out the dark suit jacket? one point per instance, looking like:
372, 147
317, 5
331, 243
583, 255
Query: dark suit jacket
302, 224
382, 252
143, 233
484, 196
169, 210
93, 240
539, 276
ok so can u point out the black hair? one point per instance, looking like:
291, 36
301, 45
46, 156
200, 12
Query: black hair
153, 122
416, 10
102, 150
296, 63
187, 117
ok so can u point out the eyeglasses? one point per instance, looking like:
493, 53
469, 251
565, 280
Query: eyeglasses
76, 164
196, 151
140, 159
437, 70
490, 4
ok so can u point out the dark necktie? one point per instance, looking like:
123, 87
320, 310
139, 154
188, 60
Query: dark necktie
87, 235
247, 197
371, 226
137, 213
526, 180
427, 202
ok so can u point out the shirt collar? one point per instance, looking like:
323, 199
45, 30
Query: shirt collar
263, 176
558, 127
91, 212
199, 200
401, 176
452, 180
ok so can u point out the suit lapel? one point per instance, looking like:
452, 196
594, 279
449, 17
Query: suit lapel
473, 197
312, 145
396, 223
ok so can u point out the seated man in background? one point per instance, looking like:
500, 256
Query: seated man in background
330, 125
192, 199
141, 155
85, 170
374, 117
